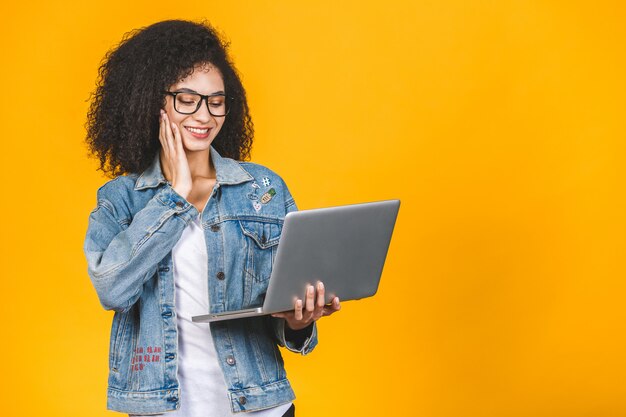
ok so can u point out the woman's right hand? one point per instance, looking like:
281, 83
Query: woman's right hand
175, 158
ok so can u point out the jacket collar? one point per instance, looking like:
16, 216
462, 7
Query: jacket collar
228, 171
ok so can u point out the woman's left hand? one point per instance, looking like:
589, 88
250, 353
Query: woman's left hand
315, 308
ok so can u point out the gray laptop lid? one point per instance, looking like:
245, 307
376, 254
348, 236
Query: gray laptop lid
344, 246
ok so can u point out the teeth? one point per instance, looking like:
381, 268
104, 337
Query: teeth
195, 130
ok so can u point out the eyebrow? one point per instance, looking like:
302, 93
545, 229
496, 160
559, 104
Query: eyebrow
189, 90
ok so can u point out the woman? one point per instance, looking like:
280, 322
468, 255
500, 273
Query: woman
185, 228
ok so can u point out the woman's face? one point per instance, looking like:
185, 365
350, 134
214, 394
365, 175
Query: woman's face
200, 128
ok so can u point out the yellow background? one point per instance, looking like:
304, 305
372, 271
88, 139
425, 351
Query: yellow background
499, 124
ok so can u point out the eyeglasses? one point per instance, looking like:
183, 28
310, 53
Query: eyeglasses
188, 103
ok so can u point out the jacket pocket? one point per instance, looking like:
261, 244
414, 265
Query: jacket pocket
262, 239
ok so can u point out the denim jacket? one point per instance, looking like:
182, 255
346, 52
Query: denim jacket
136, 223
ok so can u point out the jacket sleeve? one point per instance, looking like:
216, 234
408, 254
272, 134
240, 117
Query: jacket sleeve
298, 341
121, 258
301, 341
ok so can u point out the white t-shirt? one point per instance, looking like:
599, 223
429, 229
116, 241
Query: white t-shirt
203, 389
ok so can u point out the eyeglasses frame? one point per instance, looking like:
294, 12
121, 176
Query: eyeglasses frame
204, 98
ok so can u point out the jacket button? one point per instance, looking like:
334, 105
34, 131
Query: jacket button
179, 204
263, 239
167, 314
169, 356
230, 360
220, 275
215, 228
242, 400
164, 269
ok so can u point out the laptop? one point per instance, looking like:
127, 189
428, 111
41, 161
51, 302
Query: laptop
344, 247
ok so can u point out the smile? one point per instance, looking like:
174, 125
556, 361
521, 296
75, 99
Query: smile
200, 133
197, 130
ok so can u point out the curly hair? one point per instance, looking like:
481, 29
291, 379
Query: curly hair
123, 118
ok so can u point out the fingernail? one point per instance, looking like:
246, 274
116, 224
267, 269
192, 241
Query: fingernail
320, 285
310, 289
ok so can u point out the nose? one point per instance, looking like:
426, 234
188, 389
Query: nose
203, 115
